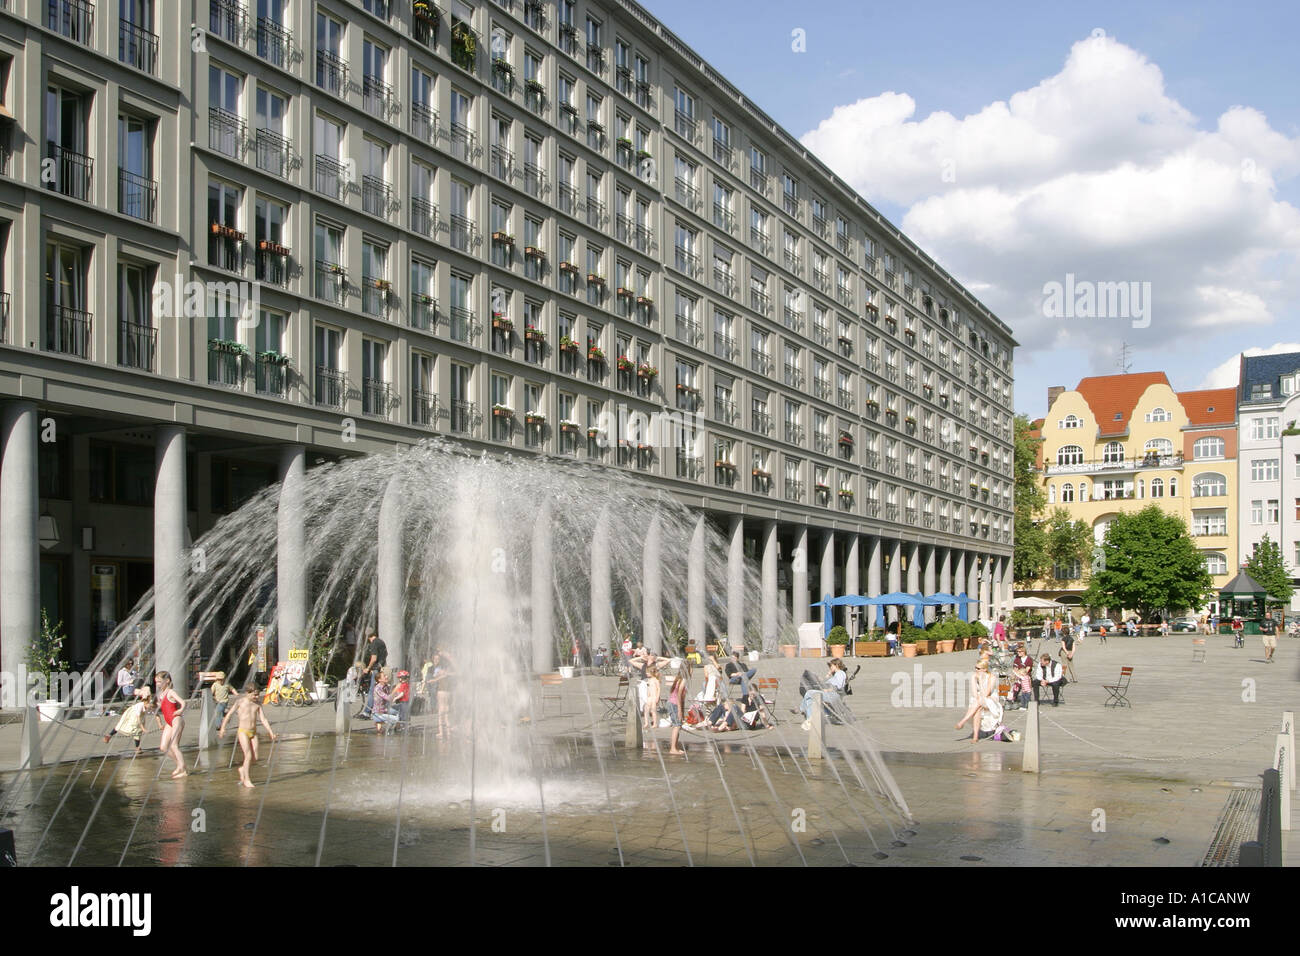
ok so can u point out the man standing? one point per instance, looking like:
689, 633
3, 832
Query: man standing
375, 656
1268, 631
1067, 654
1083, 624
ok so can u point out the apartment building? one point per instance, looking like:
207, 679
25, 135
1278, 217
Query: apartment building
242, 239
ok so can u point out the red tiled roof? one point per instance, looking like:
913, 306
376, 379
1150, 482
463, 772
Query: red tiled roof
1111, 395
1210, 406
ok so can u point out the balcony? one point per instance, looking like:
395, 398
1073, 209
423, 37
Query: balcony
794, 433
376, 196
761, 362
723, 218
793, 320
271, 375
688, 330
225, 364
374, 296
272, 151
724, 346
463, 233
823, 390
819, 224
272, 263
137, 47
136, 196
844, 398
760, 241
686, 194
823, 444
331, 387
331, 73
760, 302
688, 467
822, 280
1167, 462
793, 262
424, 217
534, 180
725, 411
501, 162
424, 123
376, 397
595, 212
331, 282
760, 181
424, 312
74, 19
723, 281
686, 125
464, 417
793, 376
686, 262
225, 247
790, 203
761, 422
226, 19
568, 199
72, 172
331, 177
4, 317
845, 295
274, 42
137, 346
463, 326
793, 489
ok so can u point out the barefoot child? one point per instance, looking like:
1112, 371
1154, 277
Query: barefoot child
170, 721
249, 711
131, 722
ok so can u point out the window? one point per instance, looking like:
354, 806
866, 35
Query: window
1158, 414
1209, 522
1113, 453
1215, 562
1067, 493
1263, 428
1157, 488
137, 194
1070, 455
1158, 448
1209, 485
225, 239
136, 336
1265, 469
1212, 447
330, 68
330, 385
269, 232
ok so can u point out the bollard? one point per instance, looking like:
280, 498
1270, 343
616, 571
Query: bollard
1029, 762
342, 701
8, 852
29, 756
632, 738
206, 713
1270, 820
816, 719
1283, 761
1288, 729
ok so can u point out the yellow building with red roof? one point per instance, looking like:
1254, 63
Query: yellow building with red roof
1119, 443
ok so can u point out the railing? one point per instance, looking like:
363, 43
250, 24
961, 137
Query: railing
374, 296
823, 390
424, 122
376, 397
72, 172
4, 317
725, 411
331, 387
463, 326
74, 19
424, 312
1125, 464
790, 203
688, 330
376, 97
226, 132
760, 181
792, 319
794, 434
759, 240
225, 368
568, 198
424, 407
723, 281
331, 72
723, 218
534, 179
761, 422
376, 196
274, 42
685, 125
793, 262
844, 397
686, 262
724, 346
331, 282
137, 47
686, 194
226, 252
272, 151
136, 196
464, 417
226, 19
793, 376
793, 489
462, 142
272, 267
760, 302
462, 233
424, 217
502, 162
271, 377
595, 212
331, 179
689, 467
761, 362
136, 345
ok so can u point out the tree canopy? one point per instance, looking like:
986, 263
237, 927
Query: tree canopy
1030, 536
1269, 568
1069, 542
1150, 564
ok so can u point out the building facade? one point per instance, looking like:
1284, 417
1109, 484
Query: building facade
1119, 443
1268, 411
242, 240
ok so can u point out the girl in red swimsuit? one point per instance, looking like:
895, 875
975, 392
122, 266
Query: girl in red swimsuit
171, 708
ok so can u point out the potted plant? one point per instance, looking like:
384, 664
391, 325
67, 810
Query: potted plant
567, 344
45, 659
947, 640
534, 334
838, 639
273, 358
907, 641
625, 364
535, 87
594, 354
924, 643
646, 370
502, 411
875, 645
534, 418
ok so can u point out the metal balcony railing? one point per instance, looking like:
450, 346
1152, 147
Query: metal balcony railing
374, 296
424, 407
424, 122
227, 20
376, 397
74, 19
464, 417
376, 97
725, 411
463, 326
463, 233
331, 282
462, 142
226, 132
761, 362
424, 312
331, 387
331, 72
424, 217
376, 196
534, 179
271, 377
136, 196
724, 346
568, 198
72, 172
225, 368
760, 302
137, 47
272, 266
274, 43
272, 151
136, 345
502, 162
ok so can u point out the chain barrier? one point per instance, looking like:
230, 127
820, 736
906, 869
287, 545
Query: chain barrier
1118, 753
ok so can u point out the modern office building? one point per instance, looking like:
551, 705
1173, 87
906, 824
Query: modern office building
1119, 443
1268, 409
240, 240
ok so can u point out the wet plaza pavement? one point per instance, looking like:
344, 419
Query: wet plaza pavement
1146, 785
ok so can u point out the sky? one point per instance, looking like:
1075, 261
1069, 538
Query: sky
1146, 152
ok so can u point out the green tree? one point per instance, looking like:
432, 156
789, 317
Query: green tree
1150, 564
1030, 536
1069, 542
1269, 568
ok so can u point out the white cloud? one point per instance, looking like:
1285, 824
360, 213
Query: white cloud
1228, 374
1096, 171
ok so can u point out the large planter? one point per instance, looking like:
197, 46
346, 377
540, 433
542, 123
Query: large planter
909, 650
871, 648
811, 652
837, 650
926, 646
789, 650
947, 647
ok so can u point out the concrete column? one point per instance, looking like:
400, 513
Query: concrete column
913, 567
986, 585
652, 615
543, 595
20, 562
601, 592
391, 572
736, 583
827, 574
171, 602
875, 558
929, 570
945, 570
799, 573
996, 585
973, 585
895, 573
852, 578
291, 553
1008, 585
769, 622
695, 628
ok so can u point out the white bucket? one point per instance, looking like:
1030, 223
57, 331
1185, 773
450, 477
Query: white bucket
49, 709
753, 657
566, 672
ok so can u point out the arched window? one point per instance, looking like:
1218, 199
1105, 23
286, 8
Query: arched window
1069, 455
1071, 421
1083, 491
1157, 488
1173, 487
1158, 448
1113, 452
1158, 414
1099, 529
1141, 488
1209, 485
1216, 563
1067, 493
1051, 494
1211, 447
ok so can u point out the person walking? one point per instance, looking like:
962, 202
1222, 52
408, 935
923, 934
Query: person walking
677, 708
1067, 655
375, 656
171, 722
248, 711
1268, 632
131, 723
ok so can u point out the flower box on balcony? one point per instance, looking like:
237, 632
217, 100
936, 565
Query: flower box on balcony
688, 390
534, 252
568, 426
597, 128
273, 358
822, 489
504, 238
891, 412
646, 371
910, 421
927, 389
762, 475
845, 493
533, 334
534, 87
500, 321
502, 411
625, 364
642, 446
594, 354
425, 11
593, 279
644, 300
845, 340
973, 449
872, 405
227, 347
569, 267
891, 322
273, 248
503, 67
724, 465
533, 418
911, 336
846, 440
383, 285
623, 142
984, 457
624, 293
568, 345
644, 154
593, 432
223, 231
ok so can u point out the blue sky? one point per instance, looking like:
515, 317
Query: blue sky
1166, 152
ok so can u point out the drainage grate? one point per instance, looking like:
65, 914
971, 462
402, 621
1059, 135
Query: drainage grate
1238, 822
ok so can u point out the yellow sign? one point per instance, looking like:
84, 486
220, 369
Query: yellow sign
299, 654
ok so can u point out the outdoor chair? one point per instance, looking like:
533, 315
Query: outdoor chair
1198, 650
767, 689
616, 704
1119, 691
551, 684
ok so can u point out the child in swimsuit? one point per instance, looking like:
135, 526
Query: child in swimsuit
171, 722
249, 711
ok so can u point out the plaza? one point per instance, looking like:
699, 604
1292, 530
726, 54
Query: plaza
1170, 781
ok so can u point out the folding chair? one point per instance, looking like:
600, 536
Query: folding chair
1198, 650
551, 684
616, 704
1119, 691
767, 688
